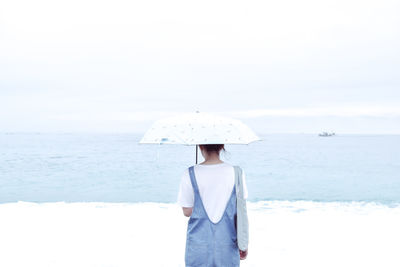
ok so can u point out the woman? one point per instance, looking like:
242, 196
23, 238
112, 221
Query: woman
207, 195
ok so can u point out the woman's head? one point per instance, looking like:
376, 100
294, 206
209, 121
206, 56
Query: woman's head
212, 149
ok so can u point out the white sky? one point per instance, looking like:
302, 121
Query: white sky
280, 66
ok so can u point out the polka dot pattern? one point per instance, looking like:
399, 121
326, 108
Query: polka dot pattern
199, 128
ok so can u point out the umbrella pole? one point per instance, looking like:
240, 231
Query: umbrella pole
196, 153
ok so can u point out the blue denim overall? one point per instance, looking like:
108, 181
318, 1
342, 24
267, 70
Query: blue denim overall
211, 244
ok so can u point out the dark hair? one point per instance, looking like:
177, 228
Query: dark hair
213, 148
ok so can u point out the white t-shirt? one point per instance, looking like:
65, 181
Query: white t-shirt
215, 182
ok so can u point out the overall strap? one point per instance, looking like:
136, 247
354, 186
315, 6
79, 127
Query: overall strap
193, 179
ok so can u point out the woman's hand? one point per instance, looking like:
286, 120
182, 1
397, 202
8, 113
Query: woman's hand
187, 211
243, 254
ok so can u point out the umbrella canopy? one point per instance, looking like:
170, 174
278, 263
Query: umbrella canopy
199, 128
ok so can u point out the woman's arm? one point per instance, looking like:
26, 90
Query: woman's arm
186, 194
187, 211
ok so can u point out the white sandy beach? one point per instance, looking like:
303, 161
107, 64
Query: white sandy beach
152, 234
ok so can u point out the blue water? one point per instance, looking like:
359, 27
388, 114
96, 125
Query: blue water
115, 168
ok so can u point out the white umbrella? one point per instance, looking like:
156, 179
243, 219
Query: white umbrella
199, 128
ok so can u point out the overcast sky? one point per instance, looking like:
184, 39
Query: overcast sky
280, 66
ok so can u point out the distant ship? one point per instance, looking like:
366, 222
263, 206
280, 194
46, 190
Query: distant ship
326, 134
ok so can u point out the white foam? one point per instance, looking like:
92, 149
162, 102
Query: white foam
282, 233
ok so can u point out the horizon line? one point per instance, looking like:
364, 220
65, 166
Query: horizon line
143, 132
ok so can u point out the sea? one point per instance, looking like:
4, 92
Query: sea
69, 199
116, 168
